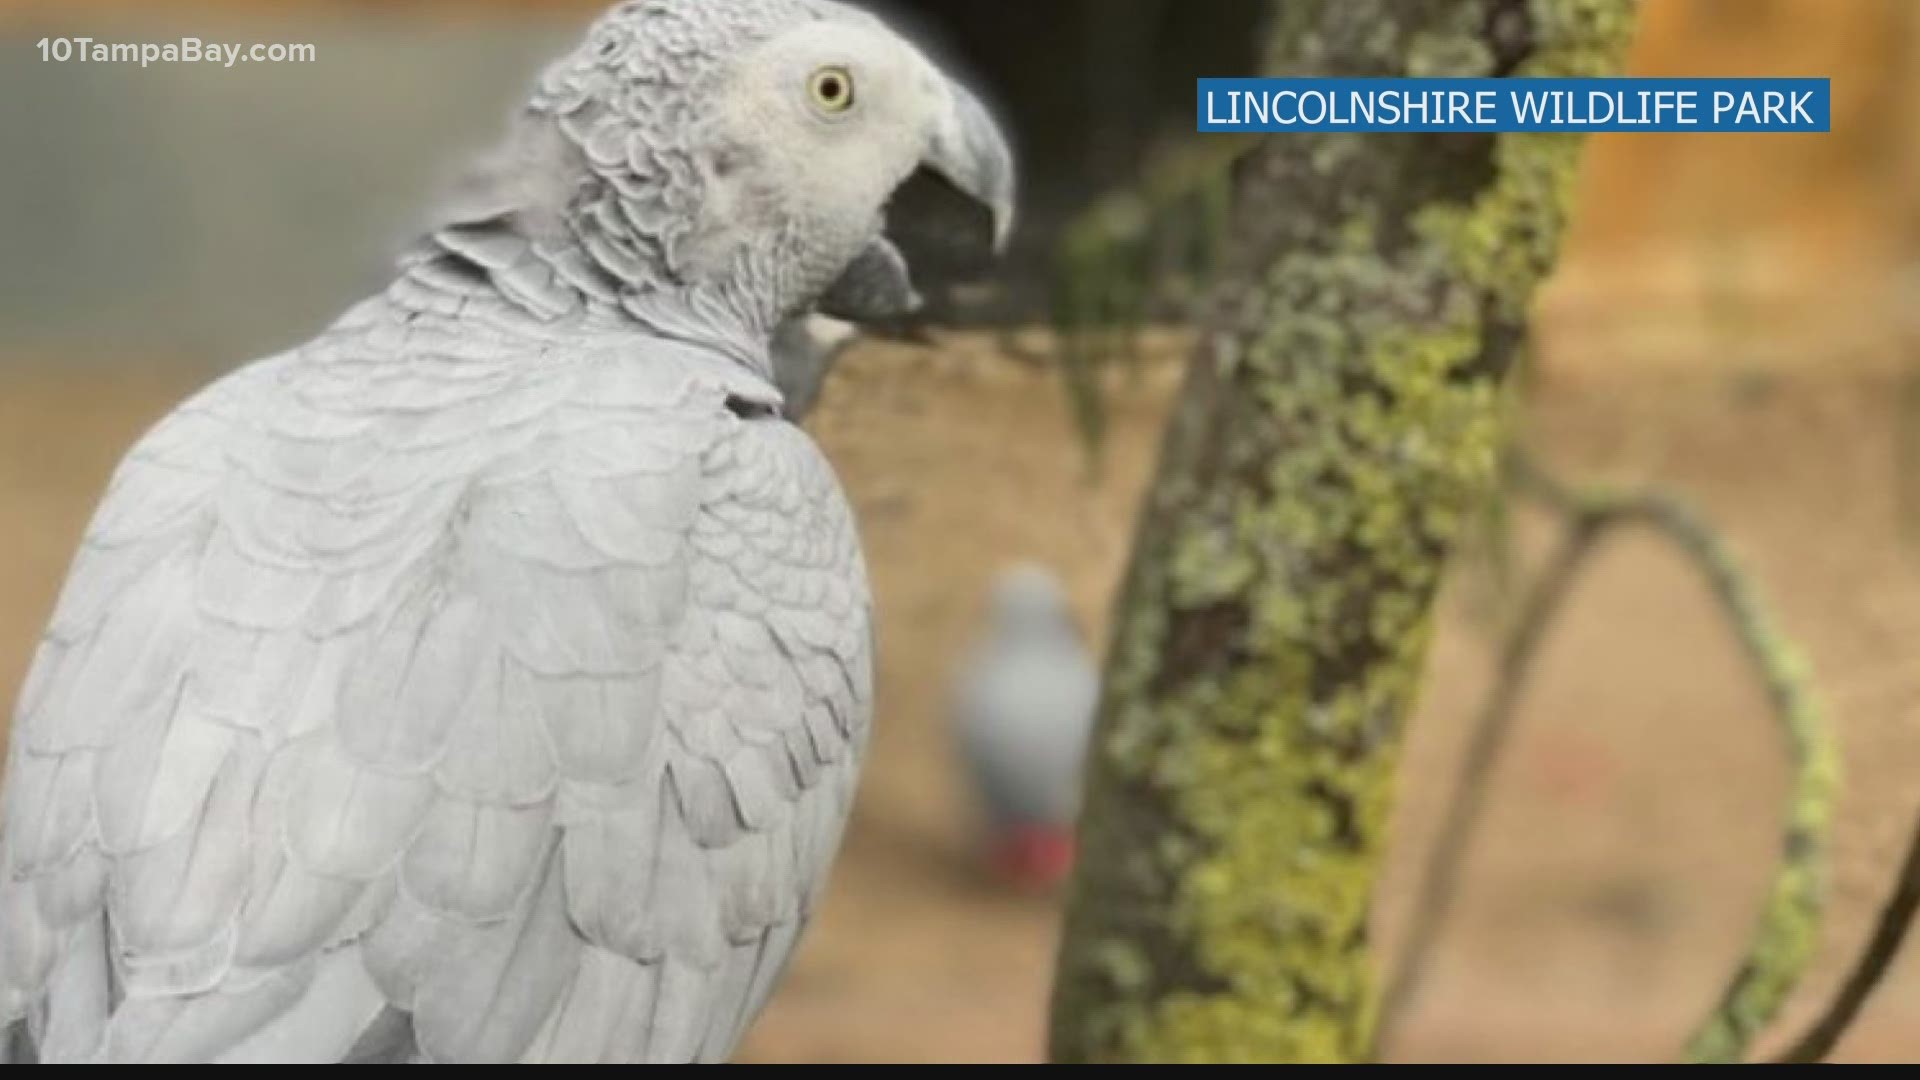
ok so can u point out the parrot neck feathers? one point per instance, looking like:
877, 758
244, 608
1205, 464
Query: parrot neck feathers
582, 272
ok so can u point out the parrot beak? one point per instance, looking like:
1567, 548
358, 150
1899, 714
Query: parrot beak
954, 214
874, 287
970, 152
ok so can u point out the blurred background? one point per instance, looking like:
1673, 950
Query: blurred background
1735, 318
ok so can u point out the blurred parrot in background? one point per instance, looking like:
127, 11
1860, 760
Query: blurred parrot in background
1023, 710
486, 680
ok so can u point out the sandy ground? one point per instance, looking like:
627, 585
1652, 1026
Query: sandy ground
1632, 822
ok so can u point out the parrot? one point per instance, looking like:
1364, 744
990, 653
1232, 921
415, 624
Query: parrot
1023, 710
487, 678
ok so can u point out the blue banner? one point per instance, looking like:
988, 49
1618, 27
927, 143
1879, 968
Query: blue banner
1619, 104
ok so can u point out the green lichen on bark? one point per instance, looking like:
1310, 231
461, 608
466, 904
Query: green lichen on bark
1342, 423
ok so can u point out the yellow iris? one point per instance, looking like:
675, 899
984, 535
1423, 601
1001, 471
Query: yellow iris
832, 89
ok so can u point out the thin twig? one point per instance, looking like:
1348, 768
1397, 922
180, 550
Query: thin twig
1888, 933
1440, 879
1789, 925
1784, 940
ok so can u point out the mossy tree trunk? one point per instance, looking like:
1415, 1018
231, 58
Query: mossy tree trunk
1342, 419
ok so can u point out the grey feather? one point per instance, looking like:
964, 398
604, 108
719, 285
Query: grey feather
506, 756
337, 1011
595, 1021
291, 912
50, 809
85, 987
174, 904
198, 1027
153, 784
400, 702
473, 860
74, 890
604, 729
346, 819
487, 992
388, 1040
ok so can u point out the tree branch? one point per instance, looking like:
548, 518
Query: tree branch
1440, 879
1888, 934
1790, 921
1340, 422
1784, 940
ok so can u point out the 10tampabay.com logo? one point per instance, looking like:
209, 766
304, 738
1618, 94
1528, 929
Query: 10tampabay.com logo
1609, 104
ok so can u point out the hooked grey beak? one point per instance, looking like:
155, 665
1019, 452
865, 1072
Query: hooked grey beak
970, 169
970, 152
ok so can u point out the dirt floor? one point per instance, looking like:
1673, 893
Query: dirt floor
1632, 823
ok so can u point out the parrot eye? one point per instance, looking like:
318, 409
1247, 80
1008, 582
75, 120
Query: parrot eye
831, 89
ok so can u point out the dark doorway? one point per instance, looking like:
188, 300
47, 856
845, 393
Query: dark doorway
1087, 87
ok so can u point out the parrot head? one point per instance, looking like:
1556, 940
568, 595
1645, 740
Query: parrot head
720, 168
1029, 603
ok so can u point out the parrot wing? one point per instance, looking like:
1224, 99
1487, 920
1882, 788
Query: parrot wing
410, 701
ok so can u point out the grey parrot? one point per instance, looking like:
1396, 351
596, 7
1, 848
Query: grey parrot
486, 679
1023, 706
